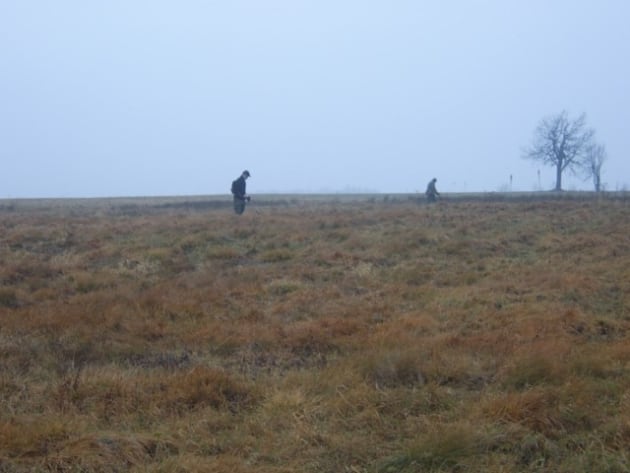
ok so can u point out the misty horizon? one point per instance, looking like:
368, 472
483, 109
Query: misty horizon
153, 98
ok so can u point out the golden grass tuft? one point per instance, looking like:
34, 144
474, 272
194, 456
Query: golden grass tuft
536, 409
207, 387
109, 453
30, 436
447, 447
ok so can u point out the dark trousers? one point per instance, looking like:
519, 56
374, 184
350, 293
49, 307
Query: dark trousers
239, 205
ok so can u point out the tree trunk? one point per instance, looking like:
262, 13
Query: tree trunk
558, 177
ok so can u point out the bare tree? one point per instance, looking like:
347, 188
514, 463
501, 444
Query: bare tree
594, 158
560, 142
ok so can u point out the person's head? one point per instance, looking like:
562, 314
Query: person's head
434, 180
245, 174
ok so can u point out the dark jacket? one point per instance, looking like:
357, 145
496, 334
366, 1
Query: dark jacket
238, 188
431, 190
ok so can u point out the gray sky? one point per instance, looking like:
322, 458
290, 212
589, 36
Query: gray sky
152, 97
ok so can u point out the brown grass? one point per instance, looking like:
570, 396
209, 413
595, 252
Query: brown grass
316, 336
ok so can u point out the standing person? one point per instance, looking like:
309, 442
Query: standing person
431, 191
239, 192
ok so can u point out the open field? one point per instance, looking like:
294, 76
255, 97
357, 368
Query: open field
339, 334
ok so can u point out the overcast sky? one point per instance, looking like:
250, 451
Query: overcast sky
154, 97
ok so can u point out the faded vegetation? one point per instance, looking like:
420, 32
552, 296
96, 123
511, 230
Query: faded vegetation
373, 336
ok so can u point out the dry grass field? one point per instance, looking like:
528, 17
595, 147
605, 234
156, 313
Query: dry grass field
371, 335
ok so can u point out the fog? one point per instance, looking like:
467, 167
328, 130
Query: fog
150, 98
